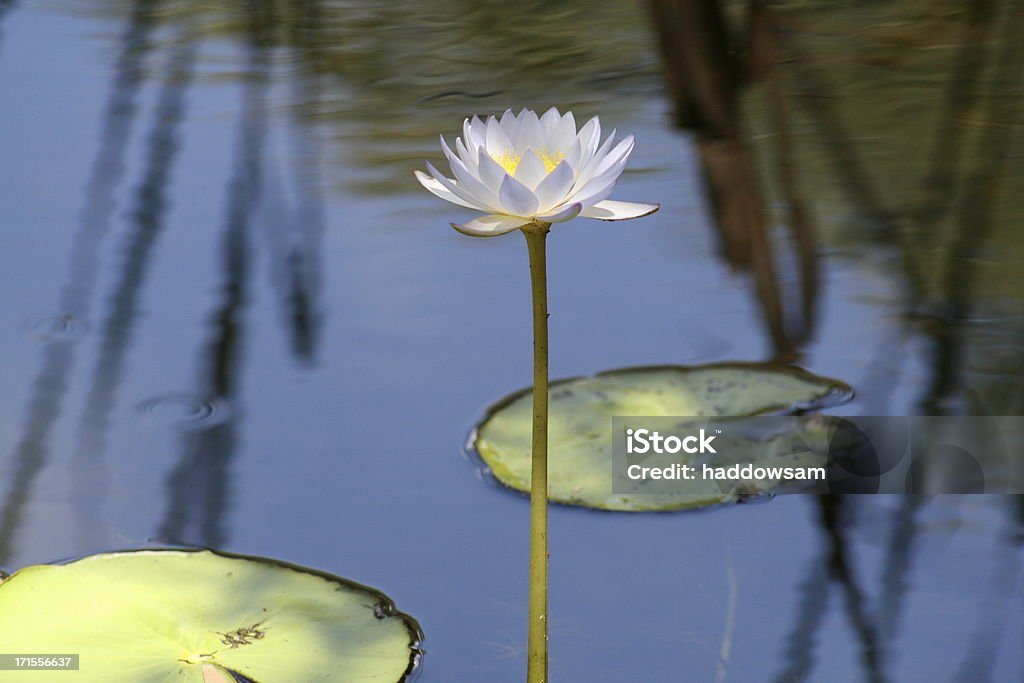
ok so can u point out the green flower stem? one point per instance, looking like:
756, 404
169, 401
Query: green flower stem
537, 644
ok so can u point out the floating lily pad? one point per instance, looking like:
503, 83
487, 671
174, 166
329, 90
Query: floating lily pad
156, 616
581, 412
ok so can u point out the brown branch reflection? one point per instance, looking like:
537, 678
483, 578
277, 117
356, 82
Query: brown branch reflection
705, 80
974, 221
961, 96
707, 69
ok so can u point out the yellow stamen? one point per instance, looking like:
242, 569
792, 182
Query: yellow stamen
510, 160
550, 160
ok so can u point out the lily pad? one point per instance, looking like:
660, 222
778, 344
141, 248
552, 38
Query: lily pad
156, 616
581, 412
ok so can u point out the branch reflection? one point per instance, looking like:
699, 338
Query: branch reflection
199, 493
46, 400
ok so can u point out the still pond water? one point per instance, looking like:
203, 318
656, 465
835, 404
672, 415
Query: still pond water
231, 317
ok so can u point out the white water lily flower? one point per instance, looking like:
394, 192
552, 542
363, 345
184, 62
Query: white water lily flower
523, 169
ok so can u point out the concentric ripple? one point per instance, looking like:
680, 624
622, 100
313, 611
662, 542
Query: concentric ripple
184, 411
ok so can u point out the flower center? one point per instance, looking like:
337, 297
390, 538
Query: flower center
509, 160
550, 160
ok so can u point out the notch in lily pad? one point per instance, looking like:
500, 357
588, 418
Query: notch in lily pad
198, 616
582, 408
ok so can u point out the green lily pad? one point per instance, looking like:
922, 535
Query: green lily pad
156, 616
581, 412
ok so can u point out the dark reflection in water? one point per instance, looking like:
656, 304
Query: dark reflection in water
835, 565
29, 457
799, 655
705, 79
840, 567
5, 7
709, 65
898, 563
989, 626
295, 245
94, 221
89, 460
835, 144
973, 224
199, 488
961, 96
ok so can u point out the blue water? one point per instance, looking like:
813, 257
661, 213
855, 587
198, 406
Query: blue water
272, 343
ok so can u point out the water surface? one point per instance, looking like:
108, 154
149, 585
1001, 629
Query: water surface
232, 318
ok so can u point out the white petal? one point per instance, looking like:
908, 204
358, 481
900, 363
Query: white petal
589, 167
601, 168
448, 153
516, 199
575, 155
510, 124
472, 184
611, 210
590, 137
434, 186
460, 192
566, 213
594, 193
550, 120
530, 134
531, 170
490, 226
475, 131
497, 141
601, 151
621, 152
468, 158
553, 189
562, 137
594, 189
491, 172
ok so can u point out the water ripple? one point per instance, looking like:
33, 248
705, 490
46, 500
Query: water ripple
184, 411
57, 328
